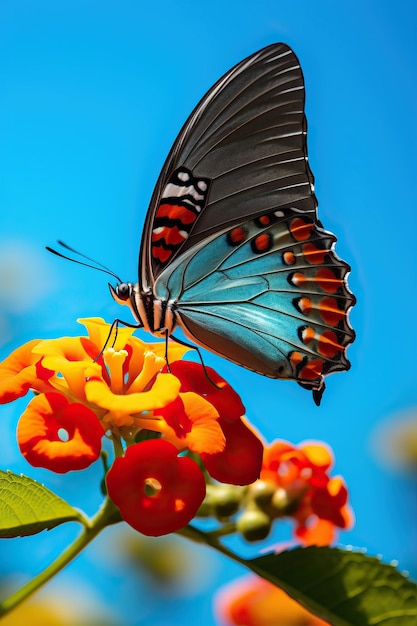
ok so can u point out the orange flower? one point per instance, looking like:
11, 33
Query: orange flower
126, 391
59, 435
253, 601
305, 490
191, 422
21, 371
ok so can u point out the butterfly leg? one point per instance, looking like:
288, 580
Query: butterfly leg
200, 356
114, 327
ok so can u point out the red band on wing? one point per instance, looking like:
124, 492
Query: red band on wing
176, 212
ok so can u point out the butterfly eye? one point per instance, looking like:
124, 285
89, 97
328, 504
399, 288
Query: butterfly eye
123, 291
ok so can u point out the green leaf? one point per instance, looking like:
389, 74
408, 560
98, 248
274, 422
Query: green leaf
343, 587
27, 507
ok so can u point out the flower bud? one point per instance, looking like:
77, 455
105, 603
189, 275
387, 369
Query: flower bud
262, 493
282, 504
226, 500
254, 524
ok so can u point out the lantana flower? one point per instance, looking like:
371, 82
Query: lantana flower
123, 391
305, 490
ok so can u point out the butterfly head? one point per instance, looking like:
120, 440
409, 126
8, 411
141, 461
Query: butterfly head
140, 304
123, 293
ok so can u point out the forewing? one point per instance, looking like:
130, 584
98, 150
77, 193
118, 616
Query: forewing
244, 151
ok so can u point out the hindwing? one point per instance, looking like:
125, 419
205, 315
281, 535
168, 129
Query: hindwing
270, 295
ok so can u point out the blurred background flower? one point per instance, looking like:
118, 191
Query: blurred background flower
252, 601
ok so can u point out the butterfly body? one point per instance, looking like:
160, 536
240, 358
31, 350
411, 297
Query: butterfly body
233, 251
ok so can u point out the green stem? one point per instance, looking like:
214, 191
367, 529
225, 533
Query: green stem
198, 536
223, 531
108, 514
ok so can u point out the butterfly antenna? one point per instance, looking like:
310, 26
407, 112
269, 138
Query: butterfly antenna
95, 265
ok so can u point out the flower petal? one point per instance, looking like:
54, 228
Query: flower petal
194, 377
317, 532
164, 390
318, 453
99, 333
19, 373
192, 423
58, 435
70, 356
175, 350
241, 460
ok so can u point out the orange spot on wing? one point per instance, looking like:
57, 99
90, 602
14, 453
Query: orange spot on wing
327, 280
312, 370
313, 254
237, 235
262, 243
170, 234
296, 358
288, 258
300, 229
305, 305
264, 219
298, 279
327, 344
330, 312
308, 334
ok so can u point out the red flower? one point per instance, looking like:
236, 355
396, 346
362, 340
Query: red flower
221, 395
239, 463
59, 435
156, 491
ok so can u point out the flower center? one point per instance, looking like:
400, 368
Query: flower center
63, 434
152, 487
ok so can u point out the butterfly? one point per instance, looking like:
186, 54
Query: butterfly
232, 250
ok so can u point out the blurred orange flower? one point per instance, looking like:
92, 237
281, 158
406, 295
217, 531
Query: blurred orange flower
305, 491
253, 601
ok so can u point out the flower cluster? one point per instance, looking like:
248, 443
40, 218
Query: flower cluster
299, 481
174, 429
156, 417
295, 482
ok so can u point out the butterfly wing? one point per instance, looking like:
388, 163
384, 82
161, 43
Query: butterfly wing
270, 295
232, 236
241, 153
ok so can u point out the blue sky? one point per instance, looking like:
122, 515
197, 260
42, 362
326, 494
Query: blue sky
92, 97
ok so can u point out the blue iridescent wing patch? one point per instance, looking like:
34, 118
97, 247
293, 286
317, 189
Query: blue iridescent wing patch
269, 295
